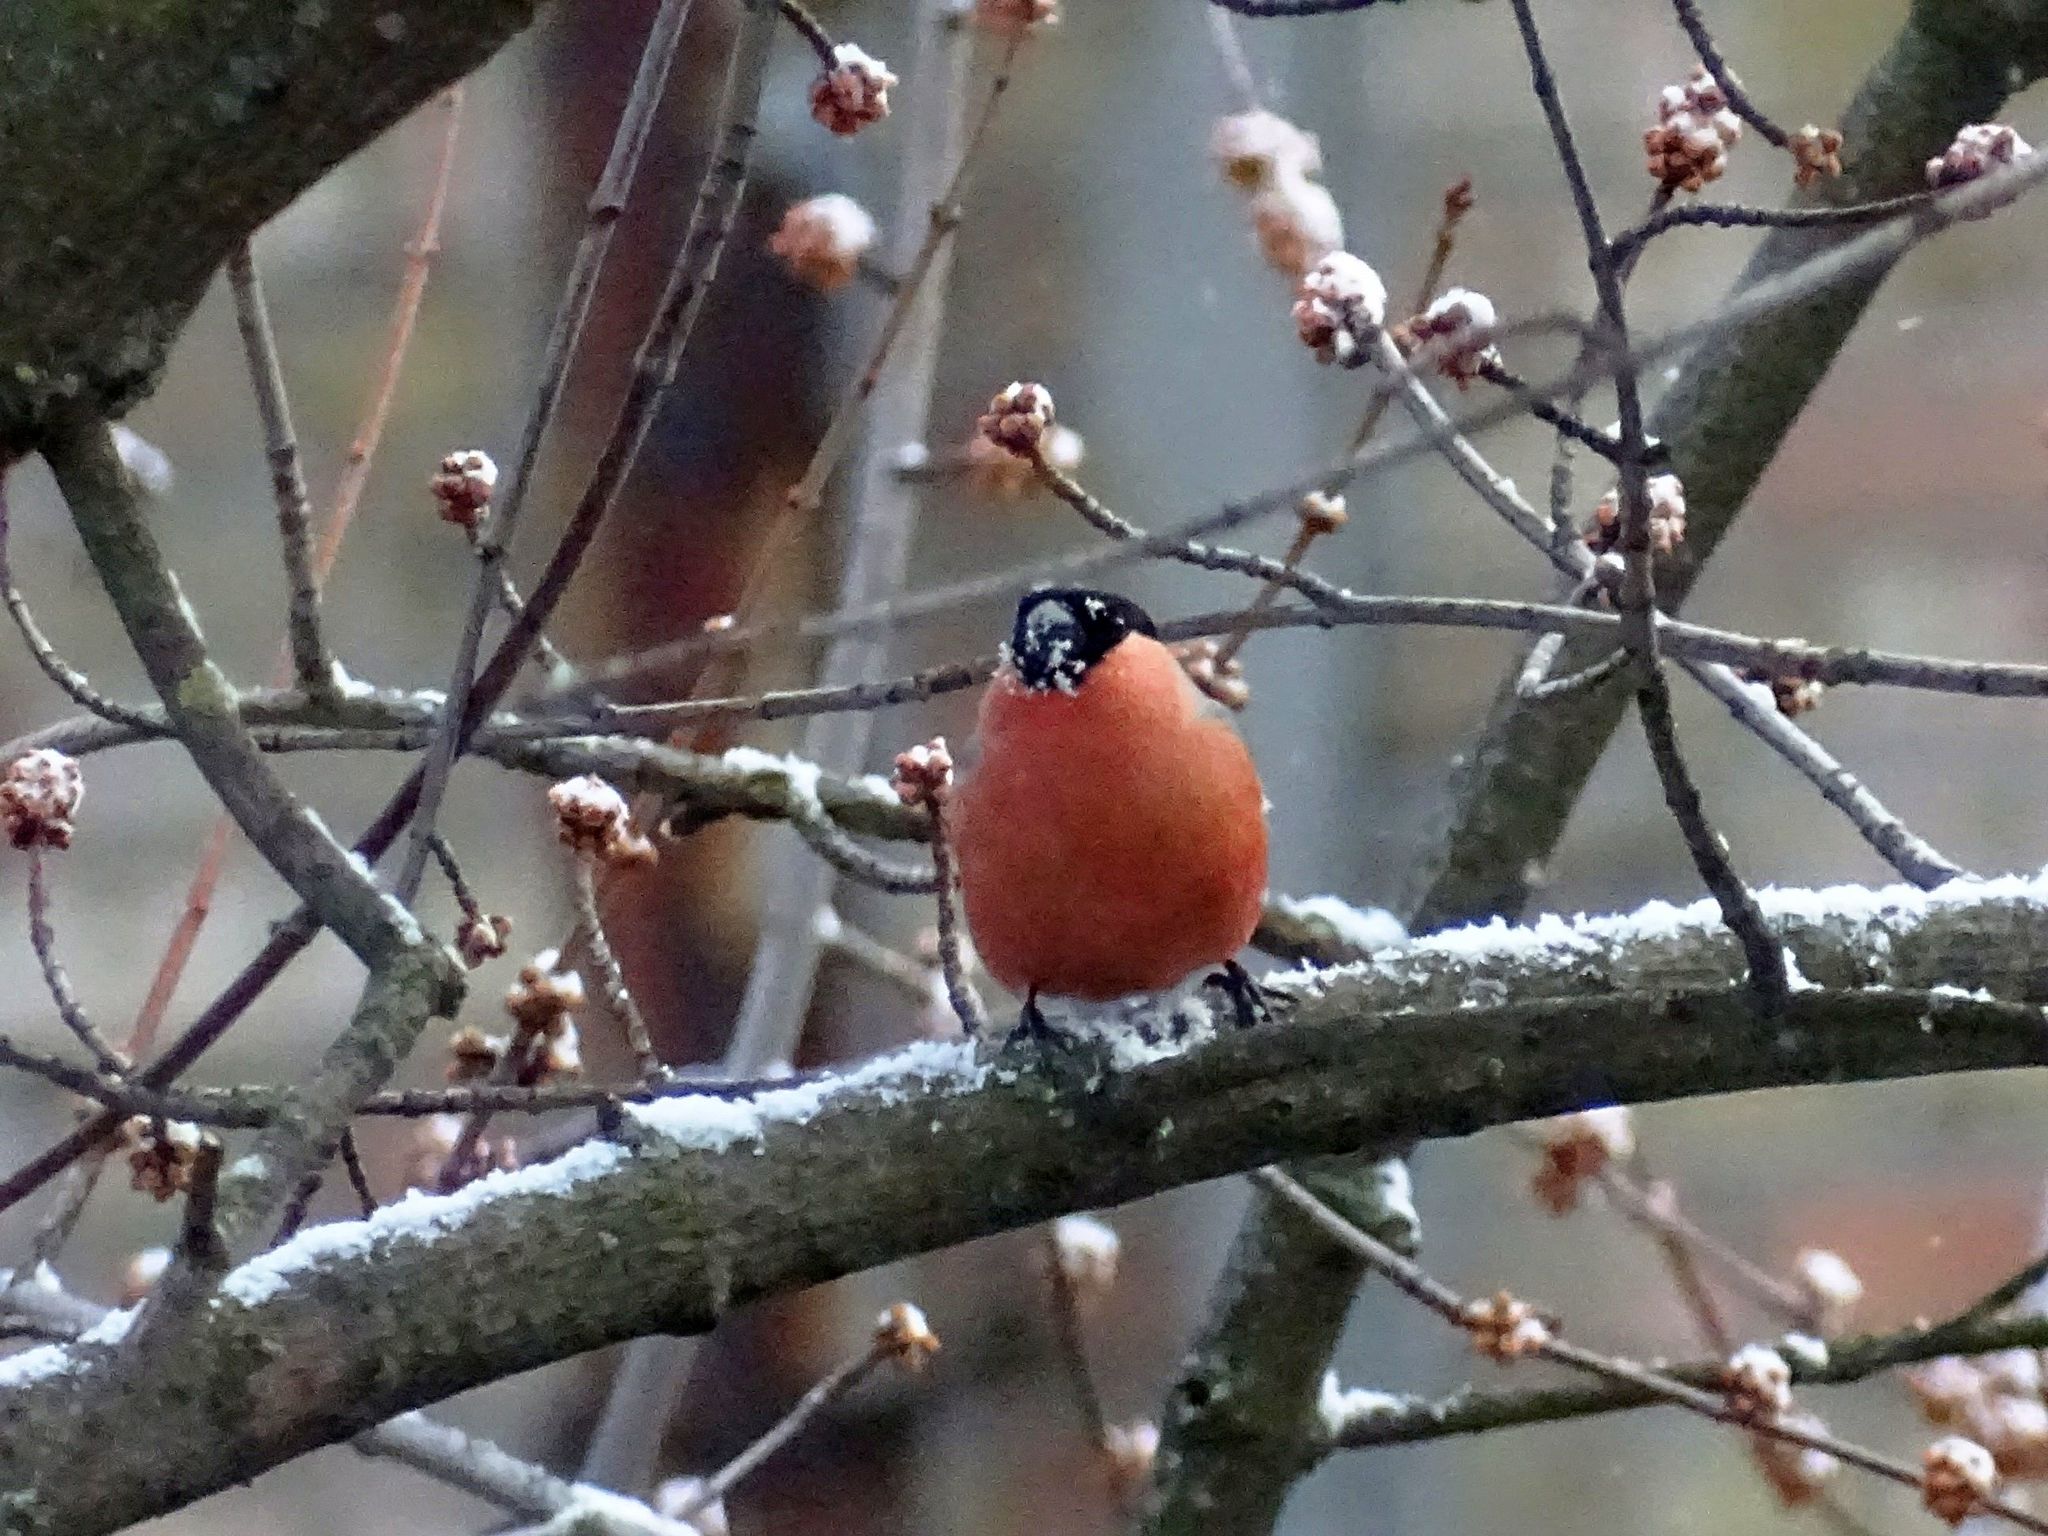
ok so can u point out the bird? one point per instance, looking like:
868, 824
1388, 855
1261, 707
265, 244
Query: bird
1111, 837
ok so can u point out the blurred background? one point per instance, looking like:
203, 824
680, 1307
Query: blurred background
1103, 255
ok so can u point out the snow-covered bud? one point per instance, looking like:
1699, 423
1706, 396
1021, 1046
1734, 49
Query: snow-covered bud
1342, 303
544, 996
1757, 1382
1504, 1329
462, 487
1321, 513
1297, 223
853, 92
1978, 148
1019, 419
1694, 131
482, 938
2015, 1431
1456, 333
1955, 1476
1129, 1451
998, 474
1817, 154
822, 239
161, 1155
1085, 1251
902, 1332
1254, 148
1796, 1473
1006, 18
1947, 1389
1832, 1288
924, 773
560, 1053
39, 794
1213, 675
142, 1271
593, 818
1579, 1147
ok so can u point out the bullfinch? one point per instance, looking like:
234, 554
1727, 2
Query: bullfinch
1111, 839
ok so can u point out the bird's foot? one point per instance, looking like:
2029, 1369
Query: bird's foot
1247, 998
1034, 1029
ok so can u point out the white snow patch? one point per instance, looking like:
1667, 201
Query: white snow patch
1344, 1408
701, 1122
1365, 929
418, 1215
802, 774
47, 1360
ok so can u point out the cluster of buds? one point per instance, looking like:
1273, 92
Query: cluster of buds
482, 937
542, 1003
1816, 154
821, 240
462, 487
1791, 696
39, 794
1667, 518
1455, 335
1018, 420
1503, 1328
161, 1155
593, 818
924, 774
1276, 164
434, 1141
1977, 149
852, 91
1128, 1452
1996, 1400
1695, 129
1797, 1474
1757, 1382
1341, 304
1214, 675
1831, 1287
901, 1333
1956, 1475
1578, 1148
1085, 1252
473, 1055
1008, 18
1322, 513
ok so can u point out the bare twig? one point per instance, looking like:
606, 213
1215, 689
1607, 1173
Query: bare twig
44, 942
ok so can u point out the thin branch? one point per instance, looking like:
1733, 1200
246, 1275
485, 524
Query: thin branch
1695, 26
611, 979
310, 659
44, 942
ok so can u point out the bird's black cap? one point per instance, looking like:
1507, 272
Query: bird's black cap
1063, 631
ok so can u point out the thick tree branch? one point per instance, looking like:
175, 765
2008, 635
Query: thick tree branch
710, 1204
139, 144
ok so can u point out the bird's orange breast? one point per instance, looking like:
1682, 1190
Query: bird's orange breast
1111, 840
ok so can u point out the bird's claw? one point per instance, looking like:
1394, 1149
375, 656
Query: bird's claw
1247, 997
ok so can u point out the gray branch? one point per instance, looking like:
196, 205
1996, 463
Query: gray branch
705, 1206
